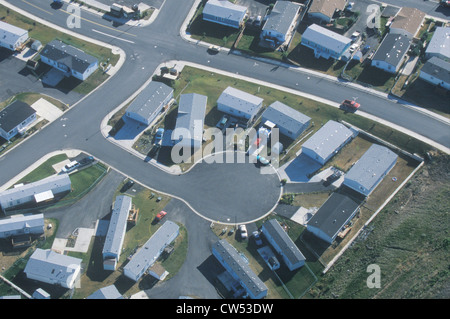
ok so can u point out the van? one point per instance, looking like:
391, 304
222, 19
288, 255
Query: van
70, 167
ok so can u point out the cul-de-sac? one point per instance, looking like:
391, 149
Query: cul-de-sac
224, 149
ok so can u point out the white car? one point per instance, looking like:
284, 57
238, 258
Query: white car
243, 231
70, 167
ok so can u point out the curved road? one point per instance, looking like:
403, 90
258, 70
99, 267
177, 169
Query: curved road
148, 47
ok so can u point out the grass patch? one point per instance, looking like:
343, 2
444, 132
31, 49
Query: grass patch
44, 170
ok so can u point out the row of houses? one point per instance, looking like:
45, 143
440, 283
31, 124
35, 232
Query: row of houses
69, 60
238, 268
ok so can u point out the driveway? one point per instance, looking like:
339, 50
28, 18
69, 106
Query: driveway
299, 169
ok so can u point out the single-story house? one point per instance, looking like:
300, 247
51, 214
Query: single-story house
224, 12
68, 59
290, 122
439, 45
108, 292
150, 102
17, 225
34, 193
325, 43
233, 262
281, 23
239, 104
437, 72
116, 232
323, 11
15, 119
12, 37
332, 216
391, 53
53, 268
147, 255
190, 120
370, 169
283, 244
407, 22
327, 141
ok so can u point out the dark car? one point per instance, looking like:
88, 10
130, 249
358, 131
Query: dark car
127, 186
87, 160
332, 178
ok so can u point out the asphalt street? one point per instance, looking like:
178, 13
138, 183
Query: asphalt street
146, 48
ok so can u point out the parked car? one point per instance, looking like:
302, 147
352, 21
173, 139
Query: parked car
243, 231
70, 167
445, 3
160, 216
273, 262
87, 160
262, 160
213, 49
257, 237
127, 186
159, 135
332, 178
353, 47
258, 21
366, 49
350, 105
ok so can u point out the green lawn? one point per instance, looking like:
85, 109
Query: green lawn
44, 170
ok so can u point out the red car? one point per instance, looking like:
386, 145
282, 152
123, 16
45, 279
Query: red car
350, 105
160, 215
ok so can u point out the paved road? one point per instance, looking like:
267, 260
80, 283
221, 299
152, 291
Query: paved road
146, 48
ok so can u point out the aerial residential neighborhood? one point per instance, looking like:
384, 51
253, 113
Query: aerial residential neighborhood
224, 150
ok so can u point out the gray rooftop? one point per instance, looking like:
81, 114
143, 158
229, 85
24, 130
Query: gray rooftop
151, 250
373, 164
224, 9
9, 33
14, 114
235, 261
117, 225
440, 42
51, 265
326, 38
240, 100
332, 215
68, 55
281, 16
18, 222
109, 292
438, 68
392, 49
285, 116
288, 247
31, 189
150, 99
191, 111
328, 138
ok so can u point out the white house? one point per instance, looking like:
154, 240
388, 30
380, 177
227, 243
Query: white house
22, 224
437, 72
322, 11
35, 193
69, 60
233, 262
325, 43
407, 22
147, 255
290, 122
53, 268
190, 120
15, 119
224, 12
12, 37
370, 169
281, 23
283, 244
108, 292
327, 141
391, 53
439, 45
239, 104
150, 102
116, 232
